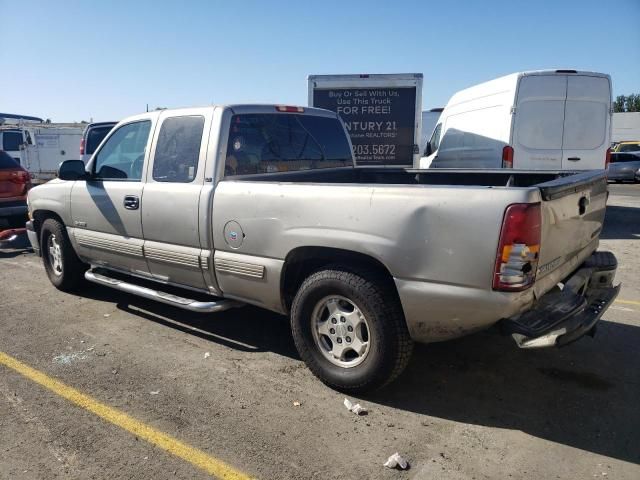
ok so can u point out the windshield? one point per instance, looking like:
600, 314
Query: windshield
629, 147
263, 143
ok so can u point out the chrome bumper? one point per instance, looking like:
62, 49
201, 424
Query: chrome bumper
33, 237
566, 314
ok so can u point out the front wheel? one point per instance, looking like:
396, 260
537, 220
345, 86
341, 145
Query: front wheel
63, 267
349, 329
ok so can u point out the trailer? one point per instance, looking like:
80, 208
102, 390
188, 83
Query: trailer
381, 112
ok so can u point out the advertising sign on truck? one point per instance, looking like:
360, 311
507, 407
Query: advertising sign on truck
382, 114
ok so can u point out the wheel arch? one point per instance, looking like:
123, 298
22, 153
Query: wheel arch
39, 217
303, 261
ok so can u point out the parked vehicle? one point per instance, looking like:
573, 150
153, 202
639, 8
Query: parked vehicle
626, 147
264, 205
41, 148
624, 166
382, 114
15, 182
625, 126
92, 137
544, 120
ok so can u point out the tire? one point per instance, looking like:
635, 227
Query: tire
327, 294
63, 267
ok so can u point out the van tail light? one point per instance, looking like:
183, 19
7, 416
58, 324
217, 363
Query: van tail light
507, 156
82, 146
518, 249
607, 158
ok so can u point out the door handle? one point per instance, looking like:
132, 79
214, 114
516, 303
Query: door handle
131, 202
573, 159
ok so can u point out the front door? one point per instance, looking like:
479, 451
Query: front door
107, 225
171, 199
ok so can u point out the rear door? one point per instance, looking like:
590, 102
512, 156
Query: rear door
539, 120
170, 203
586, 122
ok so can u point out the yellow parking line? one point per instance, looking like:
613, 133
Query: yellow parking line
628, 302
172, 445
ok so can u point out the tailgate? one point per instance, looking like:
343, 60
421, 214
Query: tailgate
573, 209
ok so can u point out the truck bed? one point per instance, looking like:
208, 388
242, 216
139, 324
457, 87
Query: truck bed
551, 180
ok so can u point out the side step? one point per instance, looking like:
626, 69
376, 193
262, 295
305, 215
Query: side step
158, 296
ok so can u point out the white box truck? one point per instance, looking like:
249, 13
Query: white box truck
40, 148
542, 120
382, 113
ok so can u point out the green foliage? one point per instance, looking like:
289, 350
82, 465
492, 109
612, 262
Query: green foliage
628, 103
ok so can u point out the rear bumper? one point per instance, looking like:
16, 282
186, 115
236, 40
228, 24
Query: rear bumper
562, 316
33, 237
8, 209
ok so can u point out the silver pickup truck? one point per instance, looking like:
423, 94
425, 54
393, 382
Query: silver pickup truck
211, 208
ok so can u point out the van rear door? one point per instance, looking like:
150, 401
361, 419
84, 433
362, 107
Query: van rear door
538, 123
586, 122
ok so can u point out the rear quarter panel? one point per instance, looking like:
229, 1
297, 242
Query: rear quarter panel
442, 235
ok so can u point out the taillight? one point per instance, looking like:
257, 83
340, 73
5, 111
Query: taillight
518, 249
507, 156
287, 108
607, 158
82, 146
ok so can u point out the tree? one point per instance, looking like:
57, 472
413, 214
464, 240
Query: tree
618, 104
633, 103
627, 103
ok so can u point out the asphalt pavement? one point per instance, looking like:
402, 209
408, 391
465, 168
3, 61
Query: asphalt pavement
107, 385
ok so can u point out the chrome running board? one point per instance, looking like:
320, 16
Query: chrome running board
158, 296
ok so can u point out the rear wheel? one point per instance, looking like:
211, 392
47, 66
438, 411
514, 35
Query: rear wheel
349, 329
63, 267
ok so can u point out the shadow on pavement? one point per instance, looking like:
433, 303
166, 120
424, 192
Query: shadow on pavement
584, 395
621, 223
248, 329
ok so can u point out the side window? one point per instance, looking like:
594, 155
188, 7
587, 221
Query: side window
122, 156
11, 141
435, 138
178, 149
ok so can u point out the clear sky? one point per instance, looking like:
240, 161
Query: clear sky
76, 60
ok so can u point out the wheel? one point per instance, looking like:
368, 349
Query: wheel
349, 328
63, 267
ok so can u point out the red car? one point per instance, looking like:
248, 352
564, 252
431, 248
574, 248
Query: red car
15, 182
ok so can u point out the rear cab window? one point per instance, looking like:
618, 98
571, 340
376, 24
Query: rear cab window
283, 142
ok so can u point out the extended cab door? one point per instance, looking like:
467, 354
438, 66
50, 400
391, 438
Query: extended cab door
105, 210
171, 199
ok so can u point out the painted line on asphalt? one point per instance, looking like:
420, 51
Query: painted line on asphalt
160, 439
628, 302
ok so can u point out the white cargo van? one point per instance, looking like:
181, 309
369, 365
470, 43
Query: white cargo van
549, 119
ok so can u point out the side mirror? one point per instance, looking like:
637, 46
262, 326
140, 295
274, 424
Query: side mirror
428, 151
72, 170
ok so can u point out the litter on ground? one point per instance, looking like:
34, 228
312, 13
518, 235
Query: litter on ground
396, 461
355, 408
